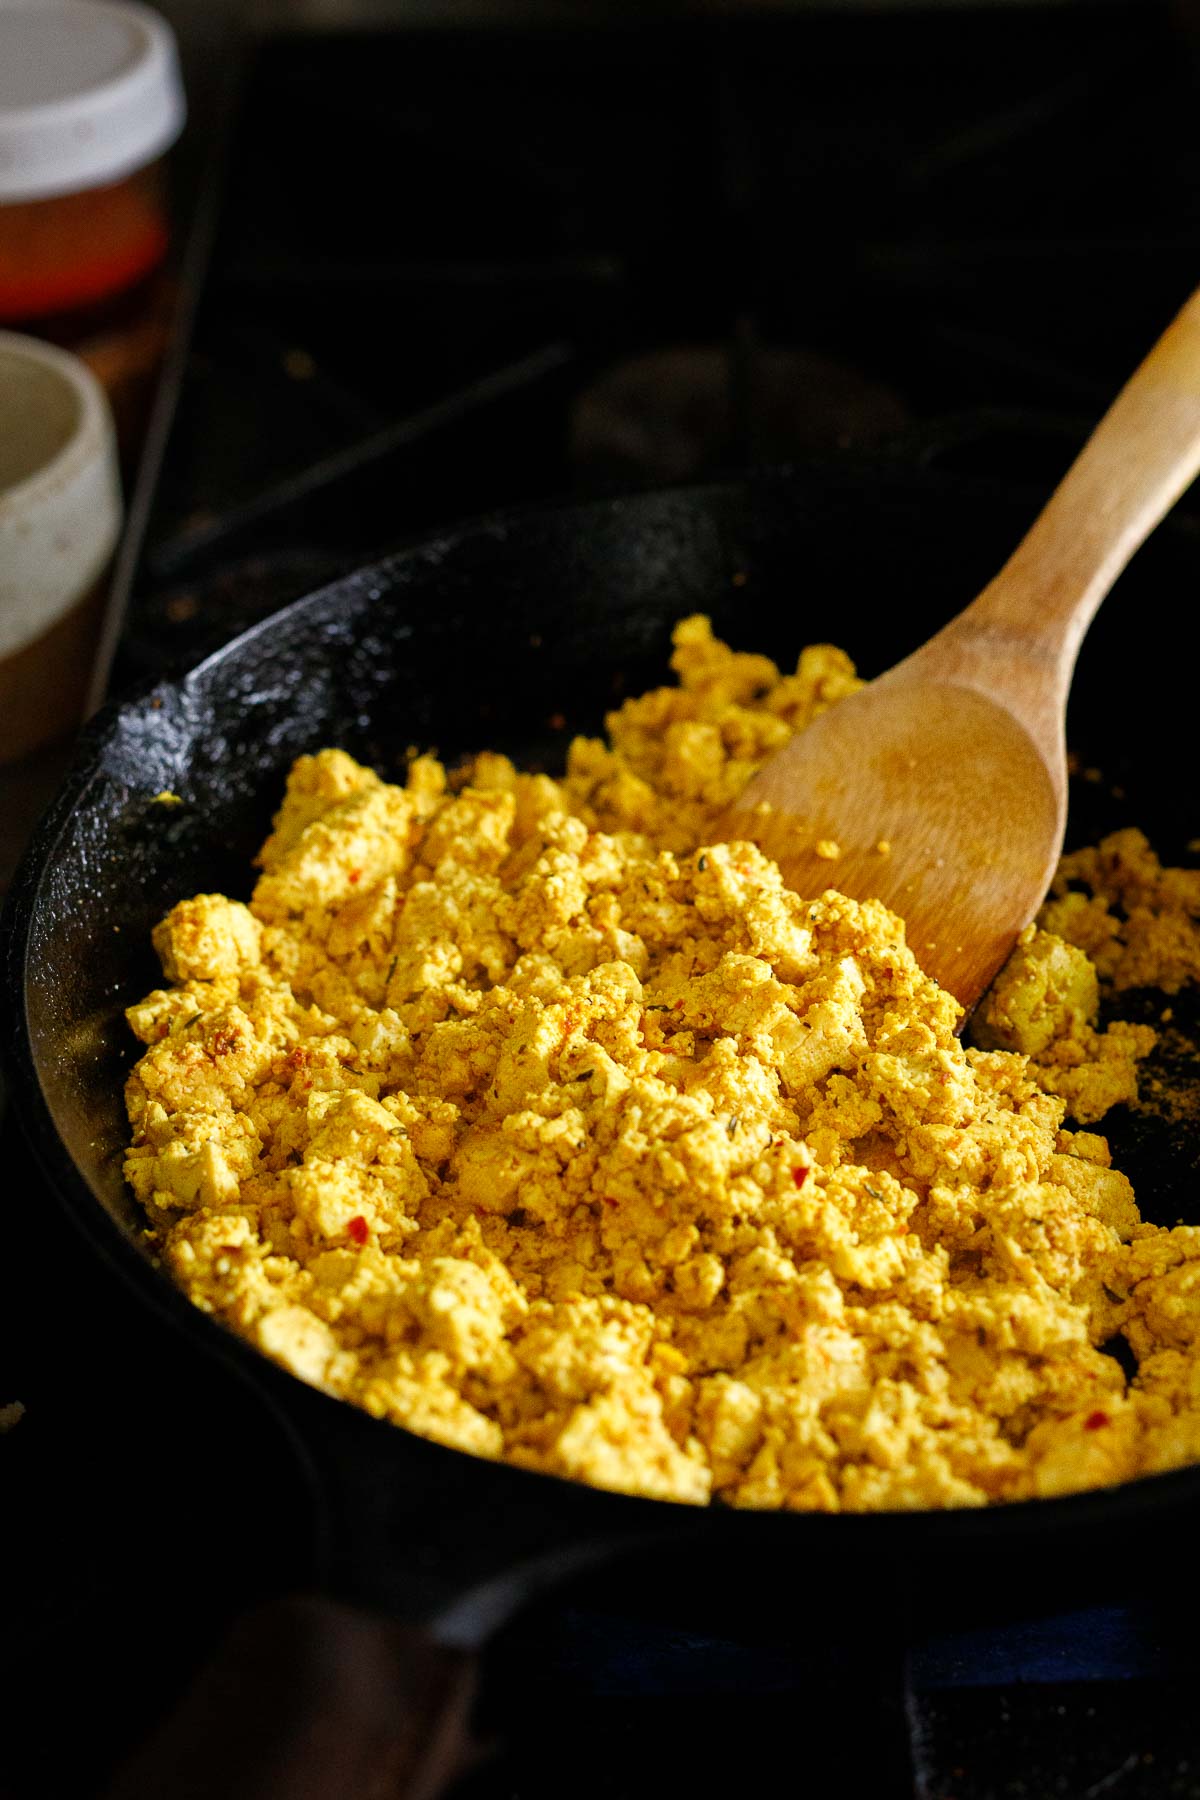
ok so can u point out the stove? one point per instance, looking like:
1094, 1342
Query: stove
453, 270
440, 271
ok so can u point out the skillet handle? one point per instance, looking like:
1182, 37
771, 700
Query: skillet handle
307, 1699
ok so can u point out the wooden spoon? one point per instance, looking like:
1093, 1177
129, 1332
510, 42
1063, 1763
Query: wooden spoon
941, 788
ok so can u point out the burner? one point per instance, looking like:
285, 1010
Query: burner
676, 414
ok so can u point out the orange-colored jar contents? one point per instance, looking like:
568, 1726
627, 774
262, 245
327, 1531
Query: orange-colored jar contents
77, 250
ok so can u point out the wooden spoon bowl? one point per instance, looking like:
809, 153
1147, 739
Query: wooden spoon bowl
935, 800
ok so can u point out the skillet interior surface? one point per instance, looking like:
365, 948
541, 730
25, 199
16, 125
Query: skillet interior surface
492, 636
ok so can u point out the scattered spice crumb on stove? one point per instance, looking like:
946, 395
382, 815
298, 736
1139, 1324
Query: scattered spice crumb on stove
524, 1114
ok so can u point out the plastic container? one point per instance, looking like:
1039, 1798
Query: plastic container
90, 99
60, 518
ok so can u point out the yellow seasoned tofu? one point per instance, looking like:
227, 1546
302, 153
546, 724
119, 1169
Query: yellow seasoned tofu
533, 1117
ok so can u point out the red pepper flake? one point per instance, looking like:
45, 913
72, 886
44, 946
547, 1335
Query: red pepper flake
609, 1201
355, 877
225, 1042
800, 1175
1095, 1420
358, 1229
298, 1058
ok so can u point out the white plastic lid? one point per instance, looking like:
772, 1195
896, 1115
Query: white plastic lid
89, 92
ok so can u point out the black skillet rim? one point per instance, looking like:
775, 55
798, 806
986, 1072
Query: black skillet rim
296, 1405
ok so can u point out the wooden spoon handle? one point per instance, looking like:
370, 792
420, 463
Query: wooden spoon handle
1142, 455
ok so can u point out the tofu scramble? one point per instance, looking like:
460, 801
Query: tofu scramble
524, 1114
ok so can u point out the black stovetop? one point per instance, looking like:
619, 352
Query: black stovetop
455, 270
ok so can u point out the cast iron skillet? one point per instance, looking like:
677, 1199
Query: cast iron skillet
492, 635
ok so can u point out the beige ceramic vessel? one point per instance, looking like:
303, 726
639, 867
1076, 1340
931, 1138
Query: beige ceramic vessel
60, 517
